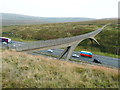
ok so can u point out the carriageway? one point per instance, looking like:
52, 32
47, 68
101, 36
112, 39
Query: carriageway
70, 43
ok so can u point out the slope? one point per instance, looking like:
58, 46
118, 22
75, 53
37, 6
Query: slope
21, 70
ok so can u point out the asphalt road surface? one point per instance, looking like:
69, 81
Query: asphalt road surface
12, 45
107, 61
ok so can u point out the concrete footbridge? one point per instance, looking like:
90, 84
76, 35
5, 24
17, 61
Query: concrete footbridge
70, 43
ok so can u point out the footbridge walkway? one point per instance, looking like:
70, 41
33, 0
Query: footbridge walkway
70, 43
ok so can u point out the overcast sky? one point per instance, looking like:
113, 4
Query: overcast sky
62, 8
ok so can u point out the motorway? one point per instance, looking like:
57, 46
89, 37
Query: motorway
107, 61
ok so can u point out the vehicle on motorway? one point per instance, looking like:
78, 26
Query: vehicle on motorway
75, 55
86, 53
5, 40
49, 50
97, 61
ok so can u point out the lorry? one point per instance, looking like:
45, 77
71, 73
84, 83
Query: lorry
5, 40
86, 54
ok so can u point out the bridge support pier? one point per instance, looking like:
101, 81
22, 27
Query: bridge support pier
69, 50
93, 39
70, 43
69, 53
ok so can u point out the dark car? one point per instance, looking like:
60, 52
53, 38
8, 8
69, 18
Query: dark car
97, 61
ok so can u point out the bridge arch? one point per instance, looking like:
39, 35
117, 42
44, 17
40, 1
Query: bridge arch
71, 43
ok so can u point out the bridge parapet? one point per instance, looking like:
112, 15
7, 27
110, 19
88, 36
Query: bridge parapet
69, 42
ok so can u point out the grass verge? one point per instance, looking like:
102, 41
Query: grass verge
80, 48
21, 70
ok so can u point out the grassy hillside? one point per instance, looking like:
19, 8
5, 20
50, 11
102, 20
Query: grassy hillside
20, 70
108, 38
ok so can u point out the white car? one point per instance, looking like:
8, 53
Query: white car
14, 45
49, 50
75, 55
5, 43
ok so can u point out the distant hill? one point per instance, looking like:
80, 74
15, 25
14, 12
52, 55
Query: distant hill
17, 19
